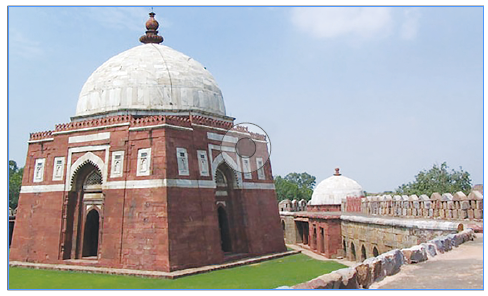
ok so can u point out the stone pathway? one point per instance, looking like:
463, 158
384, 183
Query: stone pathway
316, 256
460, 268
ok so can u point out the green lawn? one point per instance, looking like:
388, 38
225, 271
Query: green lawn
285, 271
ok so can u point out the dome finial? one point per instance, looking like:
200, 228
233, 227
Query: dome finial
337, 172
152, 26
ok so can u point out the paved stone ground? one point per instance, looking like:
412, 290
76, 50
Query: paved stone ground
306, 251
460, 268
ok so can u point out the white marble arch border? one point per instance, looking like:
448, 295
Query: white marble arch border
90, 157
224, 157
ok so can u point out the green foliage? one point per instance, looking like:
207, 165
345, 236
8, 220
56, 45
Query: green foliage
285, 271
294, 186
14, 183
438, 179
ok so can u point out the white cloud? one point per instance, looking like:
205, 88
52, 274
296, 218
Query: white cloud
410, 25
330, 22
23, 46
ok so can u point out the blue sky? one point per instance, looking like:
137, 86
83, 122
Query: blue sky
381, 92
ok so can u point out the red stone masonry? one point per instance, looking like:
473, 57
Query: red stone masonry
147, 226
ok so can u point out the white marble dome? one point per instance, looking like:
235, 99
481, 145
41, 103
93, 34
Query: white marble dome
150, 79
332, 190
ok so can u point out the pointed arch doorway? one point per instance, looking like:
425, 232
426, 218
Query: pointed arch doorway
90, 234
229, 211
83, 216
225, 241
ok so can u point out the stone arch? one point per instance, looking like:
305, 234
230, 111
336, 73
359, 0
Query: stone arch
363, 253
375, 252
353, 252
91, 233
87, 158
224, 158
224, 227
82, 218
231, 217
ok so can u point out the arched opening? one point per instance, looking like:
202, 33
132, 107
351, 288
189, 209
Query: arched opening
82, 227
375, 252
230, 212
225, 240
322, 241
363, 253
344, 246
314, 238
91, 232
353, 252
283, 225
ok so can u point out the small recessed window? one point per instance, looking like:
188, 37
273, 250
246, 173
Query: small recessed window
58, 168
247, 168
144, 162
117, 164
182, 160
39, 170
203, 163
260, 166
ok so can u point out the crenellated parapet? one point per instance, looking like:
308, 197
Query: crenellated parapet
93, 123
244, 129
207, 121
448, 206
161, 119
143, 121
135, 121
292, 205
40, 136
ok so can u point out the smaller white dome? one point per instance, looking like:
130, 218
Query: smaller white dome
333, 190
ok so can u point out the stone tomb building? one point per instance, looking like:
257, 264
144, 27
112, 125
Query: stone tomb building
318, 224
142, 177
340, 221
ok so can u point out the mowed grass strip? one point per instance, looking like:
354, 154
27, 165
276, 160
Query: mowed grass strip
285, 271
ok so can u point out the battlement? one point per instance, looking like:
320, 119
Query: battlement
202, 120
136, 121
40, 135
447, 206
95, 122
161, 119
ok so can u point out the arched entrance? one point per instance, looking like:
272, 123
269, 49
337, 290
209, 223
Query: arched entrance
375, 252
353, 252
82, 214
322, 241
91, 232
225, 241
363, 253
233, 238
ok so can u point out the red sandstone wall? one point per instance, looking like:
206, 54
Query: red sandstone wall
164, 228
330, 243
37, 228
263, 227
194, 236
145, 230
38, 222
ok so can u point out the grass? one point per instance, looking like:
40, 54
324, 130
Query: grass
285, 271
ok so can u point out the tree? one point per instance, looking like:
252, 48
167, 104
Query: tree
437, 179
15, 182
294, 186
